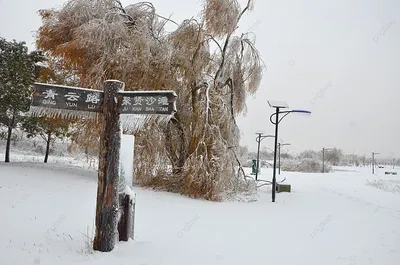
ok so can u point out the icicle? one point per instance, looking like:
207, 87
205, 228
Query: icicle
134, 122
129, 122
63, 113
207, 103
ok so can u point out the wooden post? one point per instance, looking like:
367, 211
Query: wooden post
107, 190
125, 225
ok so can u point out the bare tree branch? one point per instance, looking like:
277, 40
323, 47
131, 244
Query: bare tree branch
244, 10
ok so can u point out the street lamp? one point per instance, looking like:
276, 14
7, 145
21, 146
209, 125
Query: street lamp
279, 105
373, 162
259, 138
323, 158
279, 163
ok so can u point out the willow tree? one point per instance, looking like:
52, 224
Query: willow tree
210, 67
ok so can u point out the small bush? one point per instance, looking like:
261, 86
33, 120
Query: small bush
304, 165
3, 134
247, 163
39, 149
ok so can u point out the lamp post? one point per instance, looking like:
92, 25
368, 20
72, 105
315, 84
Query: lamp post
323, 158
259, 138
279, 163
373, 162
278, 106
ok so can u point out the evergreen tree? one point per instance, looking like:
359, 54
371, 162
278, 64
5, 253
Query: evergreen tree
18, 70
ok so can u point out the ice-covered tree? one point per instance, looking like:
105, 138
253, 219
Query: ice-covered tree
18, 70
211, 67
310, 154
243, 153
334, 156
47, 128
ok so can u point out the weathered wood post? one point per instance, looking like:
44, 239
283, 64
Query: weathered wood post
108, 172
125, 224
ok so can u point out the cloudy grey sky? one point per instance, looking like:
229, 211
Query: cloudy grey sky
338, 59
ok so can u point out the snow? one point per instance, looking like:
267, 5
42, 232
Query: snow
280, 104
334, 218
73, 87
42, 64
148, 92
132, 195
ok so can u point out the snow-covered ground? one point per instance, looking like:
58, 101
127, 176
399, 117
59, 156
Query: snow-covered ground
345, 217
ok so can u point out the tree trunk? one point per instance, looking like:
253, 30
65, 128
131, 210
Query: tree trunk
107, 190
178, 155
8, 145
87, 153
195, 120
46, 156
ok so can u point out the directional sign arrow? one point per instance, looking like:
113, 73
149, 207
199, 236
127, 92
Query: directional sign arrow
65, 97
148, 102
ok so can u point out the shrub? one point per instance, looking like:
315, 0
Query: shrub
304, 165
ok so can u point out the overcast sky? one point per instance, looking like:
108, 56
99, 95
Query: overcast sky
338, 59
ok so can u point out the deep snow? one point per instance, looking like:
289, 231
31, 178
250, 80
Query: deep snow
344, 217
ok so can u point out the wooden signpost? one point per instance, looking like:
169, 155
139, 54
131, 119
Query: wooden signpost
55, 100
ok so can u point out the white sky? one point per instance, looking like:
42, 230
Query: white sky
338, 59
